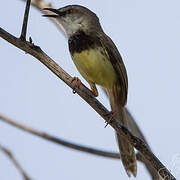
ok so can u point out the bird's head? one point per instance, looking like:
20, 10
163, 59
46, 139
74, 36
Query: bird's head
74, 18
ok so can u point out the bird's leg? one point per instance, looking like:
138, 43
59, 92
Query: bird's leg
77, 82
114, 111
93, 90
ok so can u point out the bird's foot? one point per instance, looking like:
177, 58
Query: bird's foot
76, 83
113, 114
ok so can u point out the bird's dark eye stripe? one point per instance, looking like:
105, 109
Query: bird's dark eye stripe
70, 11
66, 12
62, 13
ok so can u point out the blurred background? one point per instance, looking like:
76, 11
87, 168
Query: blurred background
147, 36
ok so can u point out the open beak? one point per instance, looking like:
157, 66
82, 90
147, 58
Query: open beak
52, 10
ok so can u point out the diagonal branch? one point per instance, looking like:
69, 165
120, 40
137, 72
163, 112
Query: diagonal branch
136, 131
93, 102
15, 162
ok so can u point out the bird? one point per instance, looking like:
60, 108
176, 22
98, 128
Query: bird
99, 62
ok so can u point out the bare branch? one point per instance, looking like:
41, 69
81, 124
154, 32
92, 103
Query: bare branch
15, 162
93, 102
59, 141
25, 21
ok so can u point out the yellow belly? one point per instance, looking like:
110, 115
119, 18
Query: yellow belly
95, 67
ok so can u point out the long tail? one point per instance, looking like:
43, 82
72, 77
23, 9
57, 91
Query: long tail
127, 152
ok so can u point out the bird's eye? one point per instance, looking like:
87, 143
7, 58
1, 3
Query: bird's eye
70, 11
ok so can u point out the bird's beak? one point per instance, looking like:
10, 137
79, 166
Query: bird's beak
52, 10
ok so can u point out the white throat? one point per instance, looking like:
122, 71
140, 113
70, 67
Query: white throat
71, 26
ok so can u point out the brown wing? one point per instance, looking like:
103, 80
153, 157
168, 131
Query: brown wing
118, 65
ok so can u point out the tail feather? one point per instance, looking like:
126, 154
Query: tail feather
127, 152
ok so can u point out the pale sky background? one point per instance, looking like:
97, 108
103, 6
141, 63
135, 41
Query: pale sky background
147, 33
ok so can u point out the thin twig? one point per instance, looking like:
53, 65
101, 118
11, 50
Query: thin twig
93, 102
25, 21
40, 4
15, 162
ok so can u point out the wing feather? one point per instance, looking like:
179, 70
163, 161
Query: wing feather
118, 65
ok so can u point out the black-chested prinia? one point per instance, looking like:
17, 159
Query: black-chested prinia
99, 62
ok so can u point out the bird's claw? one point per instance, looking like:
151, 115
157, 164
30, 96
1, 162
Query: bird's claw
76, 83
